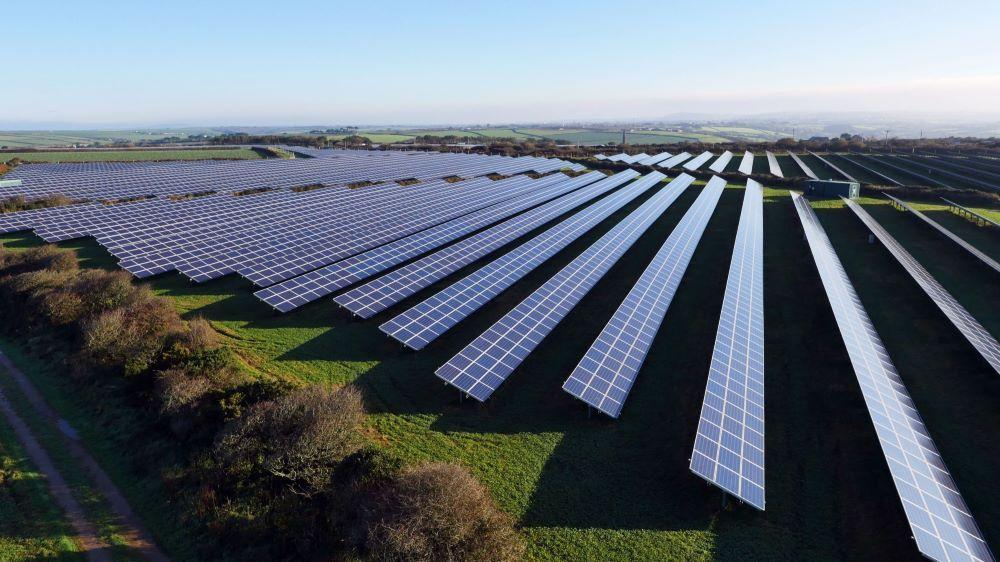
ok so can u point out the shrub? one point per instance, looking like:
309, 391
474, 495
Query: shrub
438, 511
39, 258
100, 291
130, 338
296, 440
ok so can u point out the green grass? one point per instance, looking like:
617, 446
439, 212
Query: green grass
96, 508
378, 138
131, 155
32, 526
31, 139
591, 488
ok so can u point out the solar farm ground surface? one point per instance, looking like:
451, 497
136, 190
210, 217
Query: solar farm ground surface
131, 155
592, 488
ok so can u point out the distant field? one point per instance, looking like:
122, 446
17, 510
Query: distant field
378, 138
744, 133
30, 139
131, 155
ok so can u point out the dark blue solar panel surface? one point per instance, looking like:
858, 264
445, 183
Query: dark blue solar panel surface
484, 364
940, 521
729, 445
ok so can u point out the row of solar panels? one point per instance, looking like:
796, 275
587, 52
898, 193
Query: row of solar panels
340, 167
275, 236
892, 169
941, 522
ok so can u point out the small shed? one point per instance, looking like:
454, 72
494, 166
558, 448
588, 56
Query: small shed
831, 188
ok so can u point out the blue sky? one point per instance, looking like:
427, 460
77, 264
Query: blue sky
431, 62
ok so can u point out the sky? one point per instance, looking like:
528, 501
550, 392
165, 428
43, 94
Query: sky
160, 63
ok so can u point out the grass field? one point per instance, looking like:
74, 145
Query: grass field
34, 139
592, 488
744, 133
131, 155
32, 526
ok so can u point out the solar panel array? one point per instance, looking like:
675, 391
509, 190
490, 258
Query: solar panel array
941, 522
426, 321
746, 164
698, 161
772, 164
277, 234
805, 168
721, 162
305, 288
654, 159
608, 369
484, 364
836, 168
674, 160
635, 158
892, 181
341, 167
383, 292
973, 331
990, 262
729, 445
936, 166
980, 218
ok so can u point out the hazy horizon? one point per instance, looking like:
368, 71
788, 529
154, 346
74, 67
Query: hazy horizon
182, 64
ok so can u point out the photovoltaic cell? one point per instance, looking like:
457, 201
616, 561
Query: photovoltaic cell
608, 369
721, 162
847, 176
485, 363
990, 262
939, 519
973, 331
389, 289
746, 164
698, 161
655, 159
424, 322
729, 445
805, 168
320, 282
772, 164
674, 160
979, 218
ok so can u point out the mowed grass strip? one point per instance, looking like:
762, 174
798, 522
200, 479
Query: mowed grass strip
130, 155
592, 488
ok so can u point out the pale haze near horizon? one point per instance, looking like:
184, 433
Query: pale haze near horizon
264, 63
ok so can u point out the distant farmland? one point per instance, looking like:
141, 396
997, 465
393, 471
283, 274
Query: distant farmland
131, 155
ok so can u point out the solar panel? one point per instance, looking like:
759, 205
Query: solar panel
698, 161
894, 163
951, 235
655, 159
973, 331
608, 369
805, 168
729, 446
391, 288
318, 283
939, 519
876, 173
485, 363
936, 166
772, 164
746, 164
424, 322
674, 160
980, 219
847, 176
721, 162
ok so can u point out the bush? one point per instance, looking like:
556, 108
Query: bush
38, 258
130, 338
296, 440
438, 511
